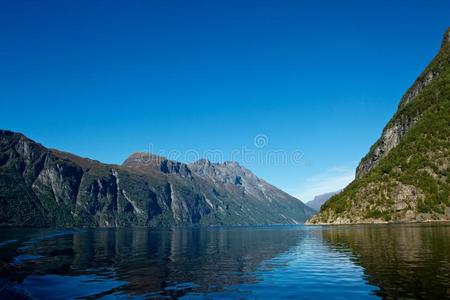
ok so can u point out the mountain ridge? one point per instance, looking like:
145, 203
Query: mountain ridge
405, 176
319, 200
47, 187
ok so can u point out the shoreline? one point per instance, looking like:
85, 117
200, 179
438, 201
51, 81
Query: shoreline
378, 223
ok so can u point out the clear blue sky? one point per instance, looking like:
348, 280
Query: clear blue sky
103, 79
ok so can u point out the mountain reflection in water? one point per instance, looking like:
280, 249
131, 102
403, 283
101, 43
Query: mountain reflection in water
139, 260
361, 262
410, 261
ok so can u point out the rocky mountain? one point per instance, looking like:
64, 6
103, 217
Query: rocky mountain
46, 187
405, 176
319, 200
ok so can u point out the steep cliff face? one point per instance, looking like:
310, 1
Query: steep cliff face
401, 123
405, 176
43, 187
227, 192
389, 140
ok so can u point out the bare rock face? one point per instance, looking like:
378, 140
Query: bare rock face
405, 175
401, 123
145, 162
395, 199
42, 187
236, 177
421, 83
390, 138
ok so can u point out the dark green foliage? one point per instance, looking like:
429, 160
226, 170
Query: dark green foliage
41, 187
420, 159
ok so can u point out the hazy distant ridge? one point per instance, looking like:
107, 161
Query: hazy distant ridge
319, 200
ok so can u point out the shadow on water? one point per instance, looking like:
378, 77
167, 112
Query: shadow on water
404, 261
134, 261
271, 262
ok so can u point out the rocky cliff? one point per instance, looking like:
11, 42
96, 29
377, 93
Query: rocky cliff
400, 124
44, 187
405, 175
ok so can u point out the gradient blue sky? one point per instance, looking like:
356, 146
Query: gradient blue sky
103, 79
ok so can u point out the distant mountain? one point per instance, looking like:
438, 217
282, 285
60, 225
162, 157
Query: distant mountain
406, 174
319, 200
45, 187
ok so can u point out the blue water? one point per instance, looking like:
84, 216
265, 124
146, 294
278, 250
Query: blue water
270, 262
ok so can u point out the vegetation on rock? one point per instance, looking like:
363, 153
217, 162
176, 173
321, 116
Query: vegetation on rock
405, 176
43, 187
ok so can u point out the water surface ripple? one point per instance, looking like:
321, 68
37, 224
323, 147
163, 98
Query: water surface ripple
262, 262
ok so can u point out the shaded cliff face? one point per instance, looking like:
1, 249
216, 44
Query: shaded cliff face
229, 193
405, 175
43, 187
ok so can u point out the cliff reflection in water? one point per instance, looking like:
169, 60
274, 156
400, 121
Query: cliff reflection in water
143, 261
272, 262
404, 261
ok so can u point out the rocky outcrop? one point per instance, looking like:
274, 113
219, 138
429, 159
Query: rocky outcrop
400, 124
422, 82
43, 187
405, 175
390, 138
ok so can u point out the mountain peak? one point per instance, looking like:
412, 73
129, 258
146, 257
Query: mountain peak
14, 135
204, 161
201, 162
144, 158
47, 187
231, 163
144, 162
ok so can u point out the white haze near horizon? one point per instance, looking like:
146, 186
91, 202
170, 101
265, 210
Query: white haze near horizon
331, 180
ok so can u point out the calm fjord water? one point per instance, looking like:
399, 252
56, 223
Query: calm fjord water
296, 262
